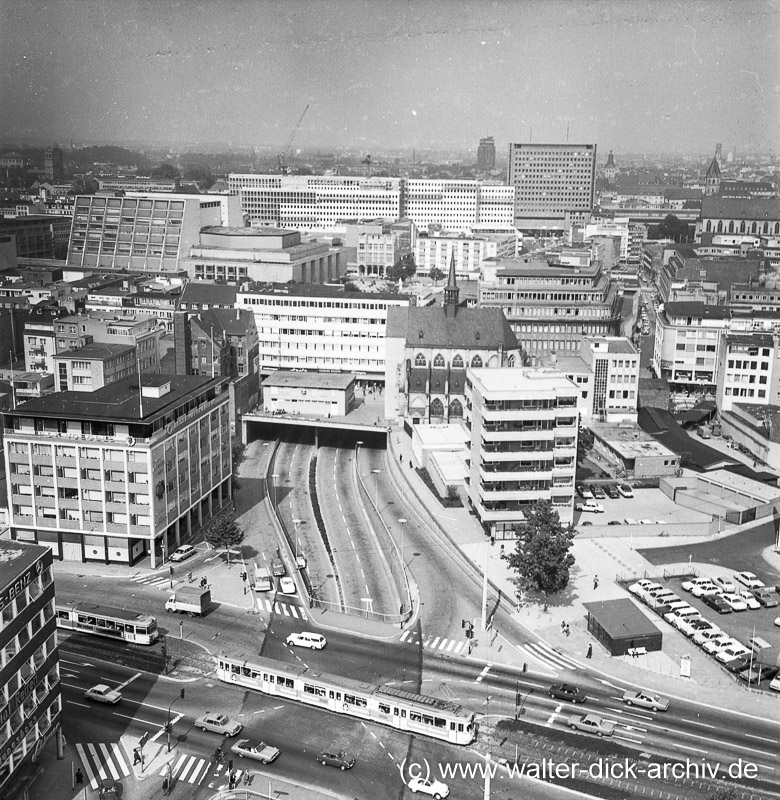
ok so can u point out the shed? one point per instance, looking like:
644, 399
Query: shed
620, 626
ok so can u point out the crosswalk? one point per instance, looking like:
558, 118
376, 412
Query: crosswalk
152, 579
103, 761
538, 651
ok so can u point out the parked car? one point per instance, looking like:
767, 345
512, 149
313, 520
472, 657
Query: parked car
646, 700
717, 603
765, 597
614, 522
777, 621
611, 491
748, 599
624, 490
584, 492
703, 589
591, 723
738, 664
260, 751
734, 650
694, 583
103, 694
717, 642
704, 635
775, 684
597, 492
680, 618
218, 723
431, 786
315, 641
565, 691
643, 587
757, 673
692, 626
590, 505
340, 759
183, 553
749, 580
725, 584
286, 585
734, 601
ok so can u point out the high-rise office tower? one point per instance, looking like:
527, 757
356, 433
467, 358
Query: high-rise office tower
52, 163
553, 183
486, 154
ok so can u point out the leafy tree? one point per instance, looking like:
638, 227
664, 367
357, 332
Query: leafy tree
541, 558
165, 171
671, 228
435, 275
201, 175
223, 532
404, 268
585, 442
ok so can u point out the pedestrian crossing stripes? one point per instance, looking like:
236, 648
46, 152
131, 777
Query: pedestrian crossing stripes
194, 770
542, 652
281, 608
435, 643
103, 761
152, 579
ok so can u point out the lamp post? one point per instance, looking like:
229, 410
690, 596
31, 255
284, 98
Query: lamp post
168, 720
376, 488
296, 522
274, 478
403, 522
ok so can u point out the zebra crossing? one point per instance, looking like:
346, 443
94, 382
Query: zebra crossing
442, 645
152, 579
542, 652
102, 761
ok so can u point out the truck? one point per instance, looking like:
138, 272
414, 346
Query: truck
190, 600
263, 580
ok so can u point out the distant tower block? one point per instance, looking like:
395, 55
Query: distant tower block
486, 155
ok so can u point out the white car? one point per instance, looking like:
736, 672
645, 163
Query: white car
724, 584
625, 490
748, 598
591, 505
703, 589
646, 700
749, 579
775, 684
718, 642
734, 601
103, 694
693, 625
704, 636
218, 723
731, 652
314, 641
287, 585
183, 553
643, 588
431, 786
777, 621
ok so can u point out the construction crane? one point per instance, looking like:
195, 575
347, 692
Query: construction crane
285, 154
367, 162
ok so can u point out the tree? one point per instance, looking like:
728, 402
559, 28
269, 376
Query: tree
223, 532
671, 228
585, 442
541, 558
165, 171
435, 275
403, 269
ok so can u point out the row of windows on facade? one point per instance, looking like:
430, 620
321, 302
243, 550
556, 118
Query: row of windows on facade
70, 493
741, 226
458, 362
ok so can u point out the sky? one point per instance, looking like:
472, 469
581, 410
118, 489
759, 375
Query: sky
631, 75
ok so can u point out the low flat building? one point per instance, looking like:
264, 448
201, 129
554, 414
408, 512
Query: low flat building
621, 627
308, 394
634, 452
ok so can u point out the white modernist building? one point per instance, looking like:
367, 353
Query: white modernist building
467, 251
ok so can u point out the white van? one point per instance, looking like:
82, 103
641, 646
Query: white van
314, 641
756, 643
263, 580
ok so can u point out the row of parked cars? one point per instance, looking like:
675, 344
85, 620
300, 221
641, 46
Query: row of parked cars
735, 656
590, 493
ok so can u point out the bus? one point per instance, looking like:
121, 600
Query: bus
386, 705
114, 623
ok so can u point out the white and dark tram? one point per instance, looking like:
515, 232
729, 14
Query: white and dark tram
386, 705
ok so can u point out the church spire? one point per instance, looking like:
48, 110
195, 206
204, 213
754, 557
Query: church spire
451, 291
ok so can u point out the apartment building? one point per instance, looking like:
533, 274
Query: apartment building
126, 471
468, 252
524, 425
277, 255
747, 370
553, 300
631, 235
38, 235
320, 328
30, 692
144, 232
554, 184
92, 366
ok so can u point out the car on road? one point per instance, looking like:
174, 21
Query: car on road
592, 723
286, 585
734, 650
734, 601
614, 522
624, 490
300, 561
103, 694
717, 642
590, 505
565, 691
748, 599
340, 759
431, 786
717, 603
724, 584
584, 491
749, 580
765, 597
218, 723
646, 700
643, 587
611, 491
260, 751
183, 553
314, 641
597, 492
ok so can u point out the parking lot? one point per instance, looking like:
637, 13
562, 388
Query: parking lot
651, 505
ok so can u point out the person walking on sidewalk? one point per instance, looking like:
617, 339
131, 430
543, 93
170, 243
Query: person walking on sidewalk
79, 777
589, 654
595, 582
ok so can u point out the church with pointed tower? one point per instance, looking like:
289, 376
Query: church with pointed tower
712, 179
610, 170
428, 351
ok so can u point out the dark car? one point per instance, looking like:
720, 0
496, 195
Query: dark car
765, 597
739, 663
757, 673
565, 691
597, 491
614, 522
696, 625
611, 491
717, 603
339, 759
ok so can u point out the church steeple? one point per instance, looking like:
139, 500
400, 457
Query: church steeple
451, 290
712, 179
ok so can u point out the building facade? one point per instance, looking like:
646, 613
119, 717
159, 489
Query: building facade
120, 473
553, 183
30, 692
457, 204
523, 427
747, 370
468, 251
486, 154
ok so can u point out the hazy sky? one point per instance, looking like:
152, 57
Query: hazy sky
630, 75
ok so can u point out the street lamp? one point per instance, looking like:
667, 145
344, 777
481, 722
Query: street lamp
403, 522
274, 478
296, 522
168, 720
376, 487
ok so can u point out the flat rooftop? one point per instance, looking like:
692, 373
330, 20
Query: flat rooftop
521, 381
15, 558
309, 380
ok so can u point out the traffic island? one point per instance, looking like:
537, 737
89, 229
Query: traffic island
148, 758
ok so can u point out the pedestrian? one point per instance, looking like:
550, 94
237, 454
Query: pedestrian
401, 458
589, 654
79, 777
568, 630
563, 626
595, 581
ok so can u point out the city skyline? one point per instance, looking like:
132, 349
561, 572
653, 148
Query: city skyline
433, 74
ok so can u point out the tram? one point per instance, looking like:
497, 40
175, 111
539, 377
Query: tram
114, 623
